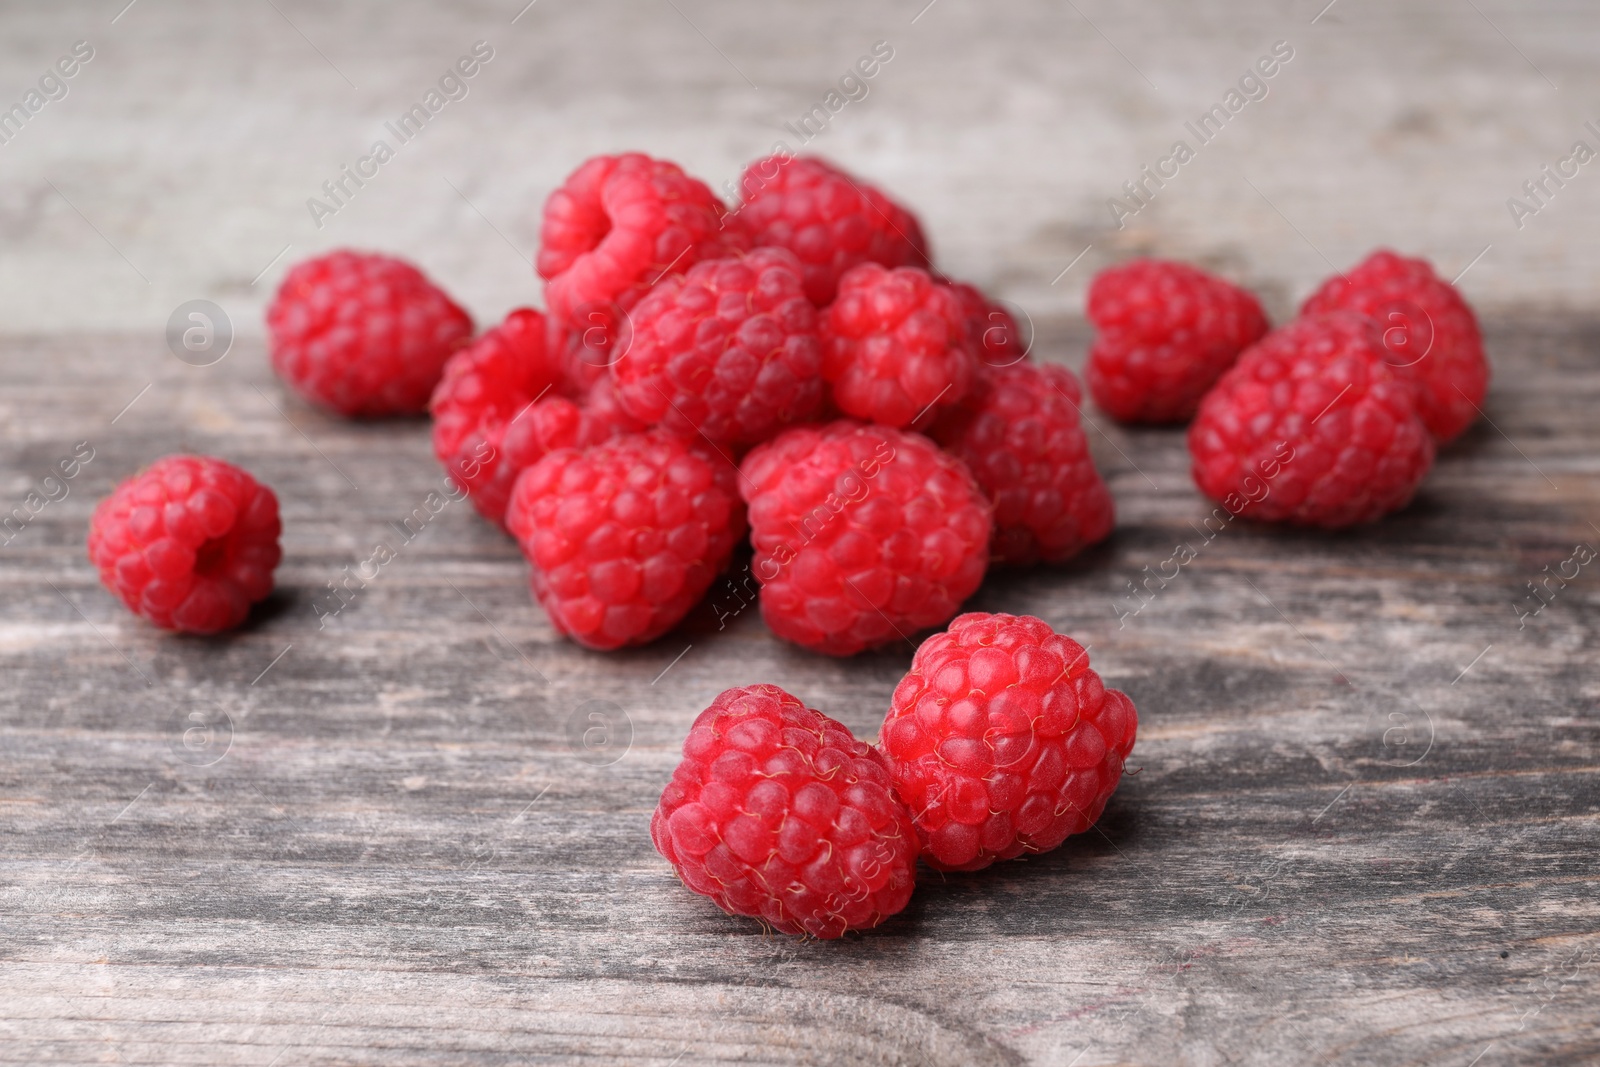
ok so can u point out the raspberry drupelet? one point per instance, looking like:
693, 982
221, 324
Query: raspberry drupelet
830, 219
189, 543
626, 536
619, 224
729, 350
1312, 427
1018, 432
778, 813
1001, 740
1430, 334
1165, 332
364, 335
896, 343
863, 534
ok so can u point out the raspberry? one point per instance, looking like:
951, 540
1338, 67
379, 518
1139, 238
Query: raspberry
1001, 740
365, 335
1429, 332
189, 543
777, 812
1311, 426
1018, 431
991, 329
895, 342
862, 534
486, 386
828, 218
626, 536
618, 224
729, 350
1166, 332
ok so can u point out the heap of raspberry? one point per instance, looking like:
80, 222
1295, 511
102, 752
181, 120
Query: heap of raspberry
863, 534
621, 223
1001, 740
364, 335
830, 219
626, 536
777, 812
729, 350
895, 343
1429, 333
991, 329
495, 411
1166, 332
189, 543
1018, 431
1311, 426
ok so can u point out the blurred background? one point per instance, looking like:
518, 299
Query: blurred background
178, 161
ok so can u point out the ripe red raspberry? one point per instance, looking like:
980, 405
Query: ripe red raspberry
729, 350
895, 342
618, 225
1018, 431
777, 812
862, 534
365, 335
1311, 426
1166, 332
1001, 740
189, 543
1429, 333
992, 329
828, 218
626, 536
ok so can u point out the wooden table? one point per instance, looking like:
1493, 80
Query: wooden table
1359, 825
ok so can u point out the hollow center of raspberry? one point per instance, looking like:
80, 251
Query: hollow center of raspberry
210, 557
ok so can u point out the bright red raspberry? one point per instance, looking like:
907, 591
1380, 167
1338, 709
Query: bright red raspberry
365, 335
1430, 334
618, 225
828, 218
992, 329
778, 813
189, 543
896, 342
1018, 431
729, 350
1001, 740
863, 534
1166, 332
1311, 426
626, 536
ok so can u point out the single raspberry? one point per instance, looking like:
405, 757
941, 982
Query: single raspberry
729, 350
365, 335
1018, 431
618, 225
1430, 334
1166, 332
1001, 740
992, 329
189, 543
895, 343
1311, 426
486, 386
862, 534
828, 218
777, 812
626, 536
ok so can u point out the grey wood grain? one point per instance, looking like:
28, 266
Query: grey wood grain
1359, 827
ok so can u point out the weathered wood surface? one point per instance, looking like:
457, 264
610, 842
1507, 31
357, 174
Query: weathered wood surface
1361, 827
